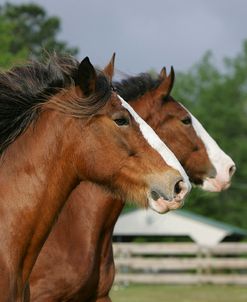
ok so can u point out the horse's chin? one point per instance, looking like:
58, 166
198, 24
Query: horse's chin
215, 185
163, 206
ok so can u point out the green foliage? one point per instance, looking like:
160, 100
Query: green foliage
26, 31
7, 58
219, 100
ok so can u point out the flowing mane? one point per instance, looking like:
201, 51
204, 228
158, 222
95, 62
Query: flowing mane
24, 89
134, 87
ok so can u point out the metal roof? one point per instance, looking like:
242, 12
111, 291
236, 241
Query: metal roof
203, 230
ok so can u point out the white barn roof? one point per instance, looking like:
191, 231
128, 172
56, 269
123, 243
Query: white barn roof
202, 230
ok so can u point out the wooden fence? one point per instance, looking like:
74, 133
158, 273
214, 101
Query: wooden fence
180, 263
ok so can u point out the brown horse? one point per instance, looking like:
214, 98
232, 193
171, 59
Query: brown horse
61, 123
76, 262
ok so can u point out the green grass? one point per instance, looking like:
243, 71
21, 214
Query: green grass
165, 293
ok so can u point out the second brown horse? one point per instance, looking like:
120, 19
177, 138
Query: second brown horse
76, 263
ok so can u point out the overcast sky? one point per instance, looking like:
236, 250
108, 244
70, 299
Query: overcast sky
150, 33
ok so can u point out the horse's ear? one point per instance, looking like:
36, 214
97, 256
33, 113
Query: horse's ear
109, 69
87, 77
166, 82
163, 73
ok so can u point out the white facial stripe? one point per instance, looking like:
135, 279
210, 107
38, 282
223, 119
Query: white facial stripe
156, 143
220, 160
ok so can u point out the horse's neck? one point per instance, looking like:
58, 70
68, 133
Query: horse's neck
91, 207
35, 181
88, 217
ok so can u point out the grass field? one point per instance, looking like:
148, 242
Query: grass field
163, 293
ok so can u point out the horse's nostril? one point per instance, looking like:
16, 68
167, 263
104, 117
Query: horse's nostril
178, 187
232, 170
155, 195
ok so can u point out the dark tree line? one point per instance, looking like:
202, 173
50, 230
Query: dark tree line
26, 31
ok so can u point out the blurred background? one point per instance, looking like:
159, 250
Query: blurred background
205, 41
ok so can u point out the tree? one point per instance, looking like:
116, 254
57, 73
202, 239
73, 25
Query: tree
31, 28
7, 58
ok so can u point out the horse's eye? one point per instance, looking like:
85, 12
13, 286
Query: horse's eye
187, 120
124, 121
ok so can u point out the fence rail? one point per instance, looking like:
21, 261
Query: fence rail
181, 263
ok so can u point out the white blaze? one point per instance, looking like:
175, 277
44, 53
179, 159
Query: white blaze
156, 143
219, 159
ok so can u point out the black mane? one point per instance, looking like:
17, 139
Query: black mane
24, 89
134, 87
